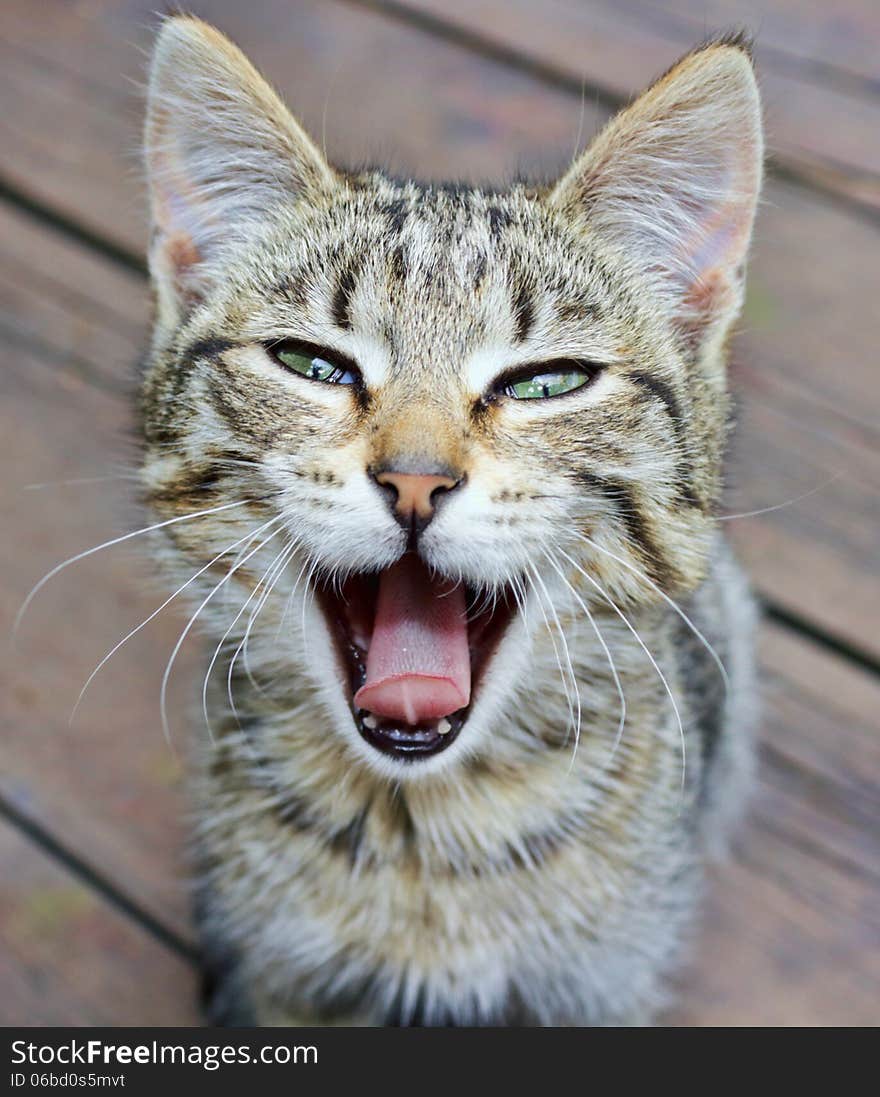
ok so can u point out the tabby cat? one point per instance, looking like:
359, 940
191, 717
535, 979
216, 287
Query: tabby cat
439, 469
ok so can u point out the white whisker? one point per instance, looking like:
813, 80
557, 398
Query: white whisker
290, 598
564, 678
109, 544
180, 640
307, 590
274, 570
669, 601
614, 674
652, 661
219, 648
248, 537
573, 677
788, 502
282, 560
80, 480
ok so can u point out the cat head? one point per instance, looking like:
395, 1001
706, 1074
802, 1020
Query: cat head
435, 402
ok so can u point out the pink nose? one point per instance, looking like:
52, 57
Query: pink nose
415, 493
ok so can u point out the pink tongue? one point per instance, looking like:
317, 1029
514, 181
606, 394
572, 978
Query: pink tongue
418, 663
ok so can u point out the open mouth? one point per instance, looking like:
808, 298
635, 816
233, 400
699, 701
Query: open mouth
414, 647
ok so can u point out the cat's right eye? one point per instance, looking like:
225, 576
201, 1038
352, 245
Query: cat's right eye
314, 363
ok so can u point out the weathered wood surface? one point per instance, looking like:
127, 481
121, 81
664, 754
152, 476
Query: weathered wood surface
73, 327
792, 931
827, 41
68, 958
822, 105
792, 925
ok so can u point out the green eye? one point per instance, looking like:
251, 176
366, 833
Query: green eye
314, 363
550, 379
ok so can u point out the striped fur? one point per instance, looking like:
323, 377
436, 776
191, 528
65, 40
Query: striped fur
528, 874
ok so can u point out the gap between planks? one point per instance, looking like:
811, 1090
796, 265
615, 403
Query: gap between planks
97, 882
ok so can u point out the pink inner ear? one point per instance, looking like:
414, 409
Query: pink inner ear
178, 207
710, 295
721, 240
181, 252
707, 291
176, 212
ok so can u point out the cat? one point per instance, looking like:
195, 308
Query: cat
439, 470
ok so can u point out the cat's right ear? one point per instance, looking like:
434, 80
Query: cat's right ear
672, 182
221, 152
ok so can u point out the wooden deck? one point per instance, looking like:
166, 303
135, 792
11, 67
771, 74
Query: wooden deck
93, 911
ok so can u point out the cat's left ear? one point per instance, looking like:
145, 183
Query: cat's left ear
672, 183
221, 152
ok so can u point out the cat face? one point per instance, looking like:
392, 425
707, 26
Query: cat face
449, 411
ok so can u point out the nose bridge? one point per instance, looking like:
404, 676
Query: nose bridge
419, 440
417, 460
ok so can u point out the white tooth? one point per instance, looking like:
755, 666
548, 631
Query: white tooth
444, 727
370, 721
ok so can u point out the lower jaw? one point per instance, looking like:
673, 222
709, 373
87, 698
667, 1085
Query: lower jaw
410, 742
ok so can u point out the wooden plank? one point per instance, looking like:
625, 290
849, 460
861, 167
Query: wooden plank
68, 958
788, 918
107, 785
805, 360
792, 931
828, 41
821, 127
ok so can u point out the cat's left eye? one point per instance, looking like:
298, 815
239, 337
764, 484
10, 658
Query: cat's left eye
549, 379
314, 363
